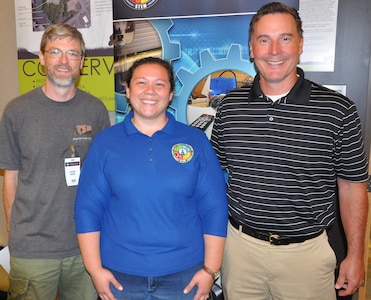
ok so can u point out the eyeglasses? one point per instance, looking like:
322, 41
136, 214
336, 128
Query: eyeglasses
57, 53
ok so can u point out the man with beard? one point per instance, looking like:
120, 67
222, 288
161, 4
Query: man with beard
44, 137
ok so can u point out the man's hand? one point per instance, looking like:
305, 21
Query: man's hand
351, 276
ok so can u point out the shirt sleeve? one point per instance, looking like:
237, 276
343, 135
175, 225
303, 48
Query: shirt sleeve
212, 198
93, 192
350, 158
9, 147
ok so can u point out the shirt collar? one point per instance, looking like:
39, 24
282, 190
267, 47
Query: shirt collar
131, 129
299, 94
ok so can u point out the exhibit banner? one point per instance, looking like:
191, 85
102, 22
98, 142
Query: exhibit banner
206, 41
93, 18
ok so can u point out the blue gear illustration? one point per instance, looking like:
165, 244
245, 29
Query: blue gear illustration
170, 50
208, 65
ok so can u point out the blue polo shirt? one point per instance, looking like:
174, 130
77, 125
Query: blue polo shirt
152, 198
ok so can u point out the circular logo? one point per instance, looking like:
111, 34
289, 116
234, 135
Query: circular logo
140, 4
182, 153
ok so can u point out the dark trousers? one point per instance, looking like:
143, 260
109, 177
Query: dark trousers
337, 241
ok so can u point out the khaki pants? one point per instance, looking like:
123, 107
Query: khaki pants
45, 279
255, 270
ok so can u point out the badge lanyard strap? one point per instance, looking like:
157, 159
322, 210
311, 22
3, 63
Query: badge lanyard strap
73, 152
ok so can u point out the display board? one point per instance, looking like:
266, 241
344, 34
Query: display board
201, 39
93, 18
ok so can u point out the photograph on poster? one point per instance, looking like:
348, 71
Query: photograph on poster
93, 18
73, 12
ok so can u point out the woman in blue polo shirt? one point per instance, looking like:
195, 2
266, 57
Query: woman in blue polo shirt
151, 208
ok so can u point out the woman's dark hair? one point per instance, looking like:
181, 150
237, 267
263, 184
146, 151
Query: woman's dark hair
273, 8
151, 60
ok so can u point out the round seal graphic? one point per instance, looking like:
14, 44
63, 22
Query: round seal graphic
140, 4
182, 153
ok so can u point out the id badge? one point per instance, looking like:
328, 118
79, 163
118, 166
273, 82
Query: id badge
72, 170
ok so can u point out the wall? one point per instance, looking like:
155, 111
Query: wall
9, 77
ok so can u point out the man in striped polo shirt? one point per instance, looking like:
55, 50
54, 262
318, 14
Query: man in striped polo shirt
289, 146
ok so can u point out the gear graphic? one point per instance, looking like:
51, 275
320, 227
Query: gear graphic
170, 50
208, 65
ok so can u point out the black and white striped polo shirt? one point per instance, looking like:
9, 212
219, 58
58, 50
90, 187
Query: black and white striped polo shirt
283, 157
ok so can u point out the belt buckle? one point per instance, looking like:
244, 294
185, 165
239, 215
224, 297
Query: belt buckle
273, 237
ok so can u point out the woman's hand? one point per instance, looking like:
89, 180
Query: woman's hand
102, 279
203, 281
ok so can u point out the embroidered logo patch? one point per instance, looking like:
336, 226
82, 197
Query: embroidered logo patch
140, 4
182, 153
82, 129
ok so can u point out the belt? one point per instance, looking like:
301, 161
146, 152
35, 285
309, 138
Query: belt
273, 239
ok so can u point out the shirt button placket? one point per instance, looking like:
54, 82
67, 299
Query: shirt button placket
150, 150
